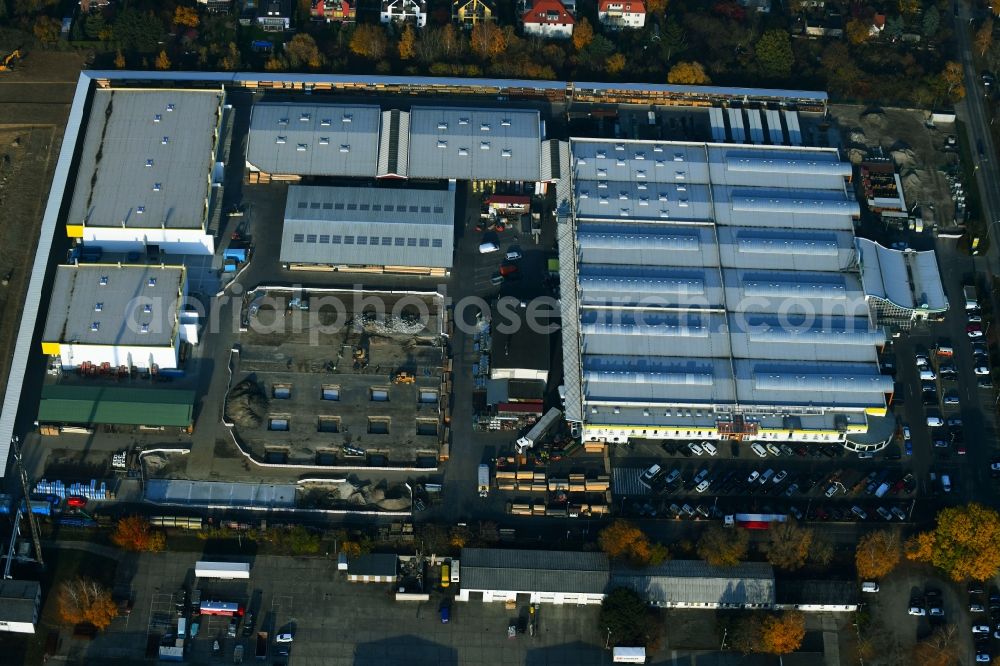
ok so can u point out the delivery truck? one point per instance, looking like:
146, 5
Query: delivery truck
484, 480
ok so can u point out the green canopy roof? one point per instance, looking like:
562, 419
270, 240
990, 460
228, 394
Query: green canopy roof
86, 405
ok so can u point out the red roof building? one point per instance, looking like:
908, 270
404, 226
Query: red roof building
548, 18
618, 14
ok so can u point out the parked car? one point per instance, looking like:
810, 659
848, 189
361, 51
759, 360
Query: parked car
709, 448
780, 476
974, 331
980, 629
981, 370
695, 448
651, 475
859, 512
951, 399
934, 422
908, 447
703, 486
673, 476
754, 475
899, 513
773, 450
512, 255
916, 607
884, 513
759, 450
76, 501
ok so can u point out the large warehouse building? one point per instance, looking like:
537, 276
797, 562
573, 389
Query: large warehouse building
289, 140
121, 316
717, 294
147, 170
367, 229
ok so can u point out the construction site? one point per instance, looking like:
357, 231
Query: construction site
340, 379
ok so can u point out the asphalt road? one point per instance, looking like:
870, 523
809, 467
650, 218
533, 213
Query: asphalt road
973, 111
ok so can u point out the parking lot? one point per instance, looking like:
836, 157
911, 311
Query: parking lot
344, 623
821, 483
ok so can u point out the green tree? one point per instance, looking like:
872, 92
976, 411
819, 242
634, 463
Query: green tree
94, 24
931, 22
626, 619
138, 31
773, 52
47, 29
894, 27
673, 41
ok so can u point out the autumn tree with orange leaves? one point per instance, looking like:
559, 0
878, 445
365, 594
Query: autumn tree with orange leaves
622, 540
134, 533
488, 40
964, 544
877, 554
186, 16
83, 600
774, 634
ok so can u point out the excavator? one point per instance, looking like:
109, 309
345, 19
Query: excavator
8, 61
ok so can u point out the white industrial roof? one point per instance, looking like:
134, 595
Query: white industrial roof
368, 226
147, 159
106, 304
906, 278
314, 139
475, 144
761, 279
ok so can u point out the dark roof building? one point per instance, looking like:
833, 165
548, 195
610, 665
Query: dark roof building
373, 568
20, 601
545, 575
697, 584
816, 595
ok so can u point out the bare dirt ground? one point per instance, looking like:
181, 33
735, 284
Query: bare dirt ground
34, 104
917, 150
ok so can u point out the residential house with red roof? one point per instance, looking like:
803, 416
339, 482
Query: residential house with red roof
333, 11
618, 14
548, 18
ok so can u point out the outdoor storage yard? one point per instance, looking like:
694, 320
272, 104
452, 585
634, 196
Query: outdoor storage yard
333, 378
918, 152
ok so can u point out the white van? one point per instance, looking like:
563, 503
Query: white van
486, 248
946, 483
869, 586
927, 374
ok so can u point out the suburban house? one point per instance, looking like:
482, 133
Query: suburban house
275, 15
334, 10
618, 14
400, 11
548, 18
468, 13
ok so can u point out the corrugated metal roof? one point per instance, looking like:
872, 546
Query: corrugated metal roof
824, 382
475, 144
908, 279
99, 405
122, 305
368, 226
773, 204
787, 165
568, 303
696, 582
534, 571
394, 144
147, 159
314, 139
